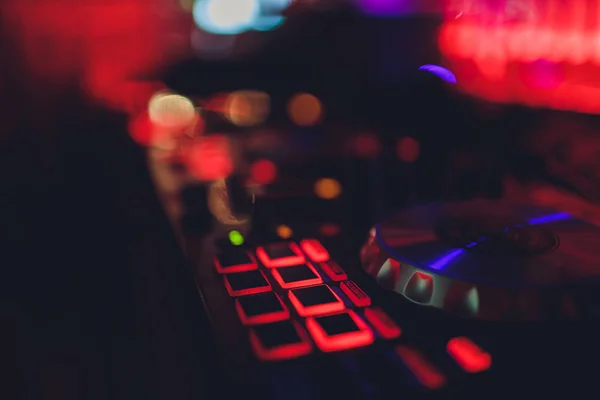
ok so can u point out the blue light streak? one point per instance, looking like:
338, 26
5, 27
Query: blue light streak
549, 218
443, 261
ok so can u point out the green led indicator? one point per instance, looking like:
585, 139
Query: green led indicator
236, 238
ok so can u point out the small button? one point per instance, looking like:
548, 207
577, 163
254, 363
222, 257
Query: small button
468, 355
385, 326
246, 283
356, 294
296, 276
425, 373
261, 308
280, 255
235, 261
279, 341
340, 331
314, 250
315, 300
334, 271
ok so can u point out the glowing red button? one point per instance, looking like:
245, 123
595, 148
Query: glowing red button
246, 283
426, 373
315, 250
296, 276
339, 331
235, 261
279, 341
280, 255
261, 308
315, 300
334, 271
356, 294
386, 327
468, 355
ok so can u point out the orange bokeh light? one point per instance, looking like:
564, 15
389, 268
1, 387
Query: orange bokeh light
305, 109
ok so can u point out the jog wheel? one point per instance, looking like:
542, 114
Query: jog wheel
488, 259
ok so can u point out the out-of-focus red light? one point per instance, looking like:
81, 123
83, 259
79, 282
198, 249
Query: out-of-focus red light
141, 129
367, 145
329, 229
209, 158
263, 172
548, 56
408, 149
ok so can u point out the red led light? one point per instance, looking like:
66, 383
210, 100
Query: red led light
329, 229
356, 294
141, 129
236, 268
246, 291
408, 149
344, 341
296, 259
318, 309
209, 158
292, 285
266, 318
314, 250
282, 352
334, 271
263, 172
468, 355
386, 327
426, 373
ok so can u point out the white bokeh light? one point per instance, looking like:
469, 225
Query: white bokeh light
171, 110
226, 17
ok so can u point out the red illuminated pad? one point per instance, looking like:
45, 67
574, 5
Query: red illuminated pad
279, 341
334, 271
468, 355
246, 283
235, 261
386, 327
356, 294
314, 250
315, 300
261, 309
296, 276
339, 331
426, 373
280, 255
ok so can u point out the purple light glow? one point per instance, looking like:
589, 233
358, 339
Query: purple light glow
443, 73
386, 8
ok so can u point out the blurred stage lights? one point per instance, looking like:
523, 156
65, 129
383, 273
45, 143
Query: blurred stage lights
171, 110
247, 108
327, 188
284, 232
305, 109
233, 17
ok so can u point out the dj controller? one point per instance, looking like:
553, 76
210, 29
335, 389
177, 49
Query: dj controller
446, 299
380, 293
